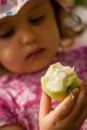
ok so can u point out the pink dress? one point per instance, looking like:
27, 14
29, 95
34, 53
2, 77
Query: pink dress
20, 94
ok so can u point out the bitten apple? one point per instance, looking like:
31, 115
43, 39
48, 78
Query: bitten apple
59, 81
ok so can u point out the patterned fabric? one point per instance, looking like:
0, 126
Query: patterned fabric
20, 94
11, 7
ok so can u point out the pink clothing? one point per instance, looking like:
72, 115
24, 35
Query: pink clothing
20, 94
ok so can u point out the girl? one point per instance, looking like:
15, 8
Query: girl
29, 42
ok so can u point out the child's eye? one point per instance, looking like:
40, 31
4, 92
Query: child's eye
37, 20
7, 34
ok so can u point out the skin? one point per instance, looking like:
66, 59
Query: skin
65, 115
29, 37
33, 30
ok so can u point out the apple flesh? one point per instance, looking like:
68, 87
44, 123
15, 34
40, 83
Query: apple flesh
59, 81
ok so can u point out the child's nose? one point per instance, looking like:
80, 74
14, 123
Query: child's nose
28, 35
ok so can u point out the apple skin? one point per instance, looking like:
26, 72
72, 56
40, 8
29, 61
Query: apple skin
69, 84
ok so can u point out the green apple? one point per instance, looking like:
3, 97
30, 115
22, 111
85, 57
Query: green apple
59, 81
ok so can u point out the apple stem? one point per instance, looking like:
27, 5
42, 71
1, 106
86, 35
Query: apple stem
72, 96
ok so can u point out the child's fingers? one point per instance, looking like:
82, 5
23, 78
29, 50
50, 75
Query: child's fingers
64, 108
45, 105
83, 115
80, 104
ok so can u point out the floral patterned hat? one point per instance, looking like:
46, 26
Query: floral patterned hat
11, 7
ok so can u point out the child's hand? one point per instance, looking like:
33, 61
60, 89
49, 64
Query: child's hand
68, 115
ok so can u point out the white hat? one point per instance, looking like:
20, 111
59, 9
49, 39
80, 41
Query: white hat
11, 7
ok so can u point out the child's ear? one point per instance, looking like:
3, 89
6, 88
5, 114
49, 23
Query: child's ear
66, 44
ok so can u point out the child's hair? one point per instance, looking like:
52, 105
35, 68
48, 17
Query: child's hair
57, 8
69, 23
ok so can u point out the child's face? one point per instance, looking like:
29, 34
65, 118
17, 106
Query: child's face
29, 40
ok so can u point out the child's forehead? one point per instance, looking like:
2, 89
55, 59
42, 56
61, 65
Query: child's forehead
34, 4
12, 7
30, 7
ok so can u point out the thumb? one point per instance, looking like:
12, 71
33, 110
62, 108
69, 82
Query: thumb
45, 105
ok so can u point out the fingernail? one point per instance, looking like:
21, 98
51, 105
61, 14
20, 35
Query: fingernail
76, 91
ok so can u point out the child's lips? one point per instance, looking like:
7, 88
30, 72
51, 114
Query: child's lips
35, 53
